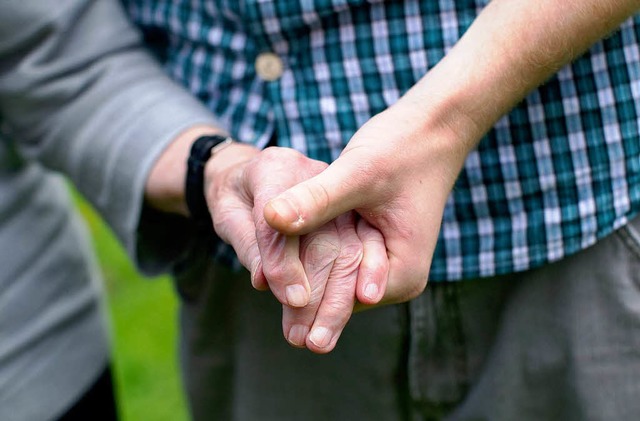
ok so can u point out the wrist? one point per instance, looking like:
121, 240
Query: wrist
438, 137
165, 186
225, 169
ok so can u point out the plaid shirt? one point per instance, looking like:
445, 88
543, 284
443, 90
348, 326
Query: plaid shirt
561, 171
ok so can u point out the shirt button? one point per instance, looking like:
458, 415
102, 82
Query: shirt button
269, 66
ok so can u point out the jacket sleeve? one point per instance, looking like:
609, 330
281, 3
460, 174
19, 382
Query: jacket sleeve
79, 94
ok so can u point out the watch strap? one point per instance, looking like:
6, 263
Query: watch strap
201, 151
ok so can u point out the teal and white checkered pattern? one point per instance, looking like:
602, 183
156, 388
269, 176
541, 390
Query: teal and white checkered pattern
559, 172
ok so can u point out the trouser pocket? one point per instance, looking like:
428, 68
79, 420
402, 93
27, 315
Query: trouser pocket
630, 235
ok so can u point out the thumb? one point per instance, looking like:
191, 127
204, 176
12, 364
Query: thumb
316, 201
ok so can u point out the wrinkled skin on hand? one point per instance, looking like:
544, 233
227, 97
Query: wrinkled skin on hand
396, 176
318, 277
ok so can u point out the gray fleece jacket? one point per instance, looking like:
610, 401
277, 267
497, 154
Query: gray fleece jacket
79, 98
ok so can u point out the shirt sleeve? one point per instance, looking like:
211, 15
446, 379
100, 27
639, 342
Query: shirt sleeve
79, 94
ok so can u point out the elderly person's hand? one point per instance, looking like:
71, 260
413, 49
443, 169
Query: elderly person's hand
318, 277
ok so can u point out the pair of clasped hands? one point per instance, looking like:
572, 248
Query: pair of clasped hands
328, 239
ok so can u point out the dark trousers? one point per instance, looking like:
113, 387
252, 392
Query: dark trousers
557, 343
98, 403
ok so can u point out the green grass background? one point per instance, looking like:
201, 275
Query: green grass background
143, 314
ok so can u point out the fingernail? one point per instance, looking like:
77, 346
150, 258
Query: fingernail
297, 335
320, 336
284, 209
371, 291
297, 296
253, 277
254, 270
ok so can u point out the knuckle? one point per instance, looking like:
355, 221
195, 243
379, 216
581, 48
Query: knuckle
281, 273
321, 252
317, 291
316, 166
320, 197
277, 273
338, 308
350, 256
276, 153
270, 159
375, 258
371, 236
375, 269
264, 230
272, 152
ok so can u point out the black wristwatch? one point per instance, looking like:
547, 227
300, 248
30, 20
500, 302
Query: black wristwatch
201, 151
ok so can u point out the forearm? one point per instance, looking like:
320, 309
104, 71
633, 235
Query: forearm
79, 94
511, 48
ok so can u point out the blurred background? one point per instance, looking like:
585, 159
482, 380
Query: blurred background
143, 315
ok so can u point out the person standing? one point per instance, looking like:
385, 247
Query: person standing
495, 147
81, 98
